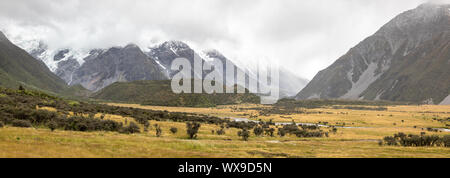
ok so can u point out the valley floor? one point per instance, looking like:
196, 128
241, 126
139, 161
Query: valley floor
358, 139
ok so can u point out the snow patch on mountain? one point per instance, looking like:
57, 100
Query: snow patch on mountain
166, 71
41, 51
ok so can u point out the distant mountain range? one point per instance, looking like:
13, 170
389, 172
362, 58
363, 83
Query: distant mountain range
100, 68
408, 59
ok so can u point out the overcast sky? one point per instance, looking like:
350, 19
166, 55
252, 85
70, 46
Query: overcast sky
305, 36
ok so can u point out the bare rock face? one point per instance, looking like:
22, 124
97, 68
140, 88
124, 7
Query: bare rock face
66, 69
116, 64
408, 59
61, 54
289, 83
167, 52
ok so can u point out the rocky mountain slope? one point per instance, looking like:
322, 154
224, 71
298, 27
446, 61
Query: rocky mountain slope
408, 59
99, 68
103, 68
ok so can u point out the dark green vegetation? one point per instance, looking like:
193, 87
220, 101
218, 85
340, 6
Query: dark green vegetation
244, 133
174, 130
192, 129
318, 103
304, 131
291, 106
416, 140
18, 108
160, 93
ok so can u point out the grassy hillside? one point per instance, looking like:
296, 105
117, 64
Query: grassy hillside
17, 67
160, 93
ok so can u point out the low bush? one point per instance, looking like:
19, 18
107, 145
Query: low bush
244, 133
132, 128
305, 133
174, 130
221, 131
258, 131
281, 132
21, 123
52, 125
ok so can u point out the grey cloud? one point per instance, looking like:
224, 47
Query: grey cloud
309, 34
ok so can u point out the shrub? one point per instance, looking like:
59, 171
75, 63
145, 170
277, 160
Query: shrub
446, 140
281, 132
174, 130
258, 131
21, 123
310, 127
269, 131
244, 133
291, 128
390, 141
334, 130
158, 130
1, 124
221, 131
132, 128
416, 140
304, 133
52, 125
146, 126
192, 129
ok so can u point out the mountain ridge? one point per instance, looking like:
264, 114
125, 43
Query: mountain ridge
405, 60
17, 67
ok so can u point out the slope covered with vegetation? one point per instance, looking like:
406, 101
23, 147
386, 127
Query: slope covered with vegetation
160, 93
17, 67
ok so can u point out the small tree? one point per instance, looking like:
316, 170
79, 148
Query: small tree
174, 130
192, 129
146, 126
244, 133
158, 131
